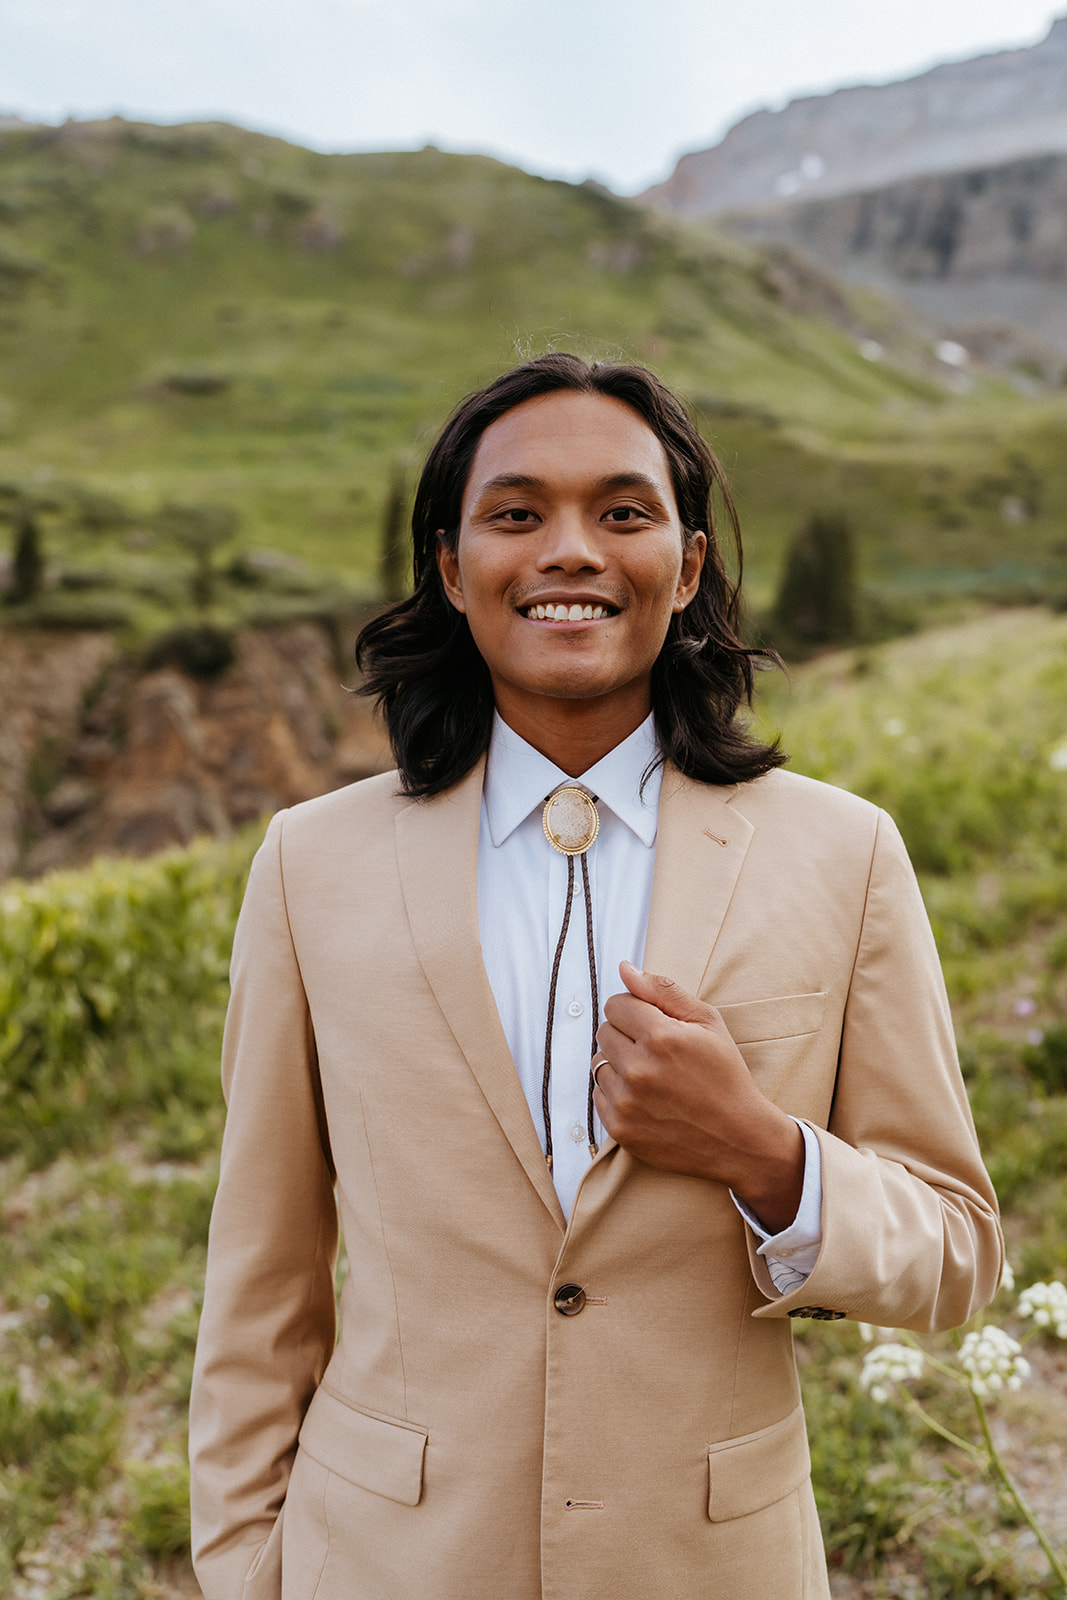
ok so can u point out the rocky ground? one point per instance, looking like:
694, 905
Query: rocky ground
100, 756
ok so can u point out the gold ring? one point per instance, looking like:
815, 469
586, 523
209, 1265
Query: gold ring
596, 1069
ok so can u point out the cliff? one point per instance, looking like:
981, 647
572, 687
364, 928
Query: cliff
98, 756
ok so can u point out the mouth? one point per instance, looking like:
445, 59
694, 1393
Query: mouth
556, 611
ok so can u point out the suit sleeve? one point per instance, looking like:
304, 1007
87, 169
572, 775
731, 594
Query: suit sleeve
267, 1329
910, 1234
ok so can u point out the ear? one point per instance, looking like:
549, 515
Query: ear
448, 566
693, 553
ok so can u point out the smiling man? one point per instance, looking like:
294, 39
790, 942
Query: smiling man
576, 1231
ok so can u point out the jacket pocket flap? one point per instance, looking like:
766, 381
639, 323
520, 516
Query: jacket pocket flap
382, 1456
782, 1018
757, 1469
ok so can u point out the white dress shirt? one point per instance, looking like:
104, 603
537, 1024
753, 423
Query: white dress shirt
522, 886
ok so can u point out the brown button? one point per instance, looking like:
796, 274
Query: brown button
569, 1299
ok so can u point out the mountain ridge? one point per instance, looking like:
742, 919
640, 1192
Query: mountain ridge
988, 108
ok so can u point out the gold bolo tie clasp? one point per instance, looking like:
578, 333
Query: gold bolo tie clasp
571, 820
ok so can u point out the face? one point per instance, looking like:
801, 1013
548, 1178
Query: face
570, 559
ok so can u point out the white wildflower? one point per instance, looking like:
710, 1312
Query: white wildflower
889, 1364
869, 1331
993, 1360
1007, 1277
1047, 1304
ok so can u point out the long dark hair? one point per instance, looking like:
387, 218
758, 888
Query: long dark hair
420, 662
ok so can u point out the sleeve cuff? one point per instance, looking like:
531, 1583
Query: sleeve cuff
791, 1254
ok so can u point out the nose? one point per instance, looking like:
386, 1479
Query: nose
570, 544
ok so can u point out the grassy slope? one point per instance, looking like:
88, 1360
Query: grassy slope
110, 1115
347, 300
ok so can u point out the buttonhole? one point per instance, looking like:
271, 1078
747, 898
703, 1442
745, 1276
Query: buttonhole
714, 836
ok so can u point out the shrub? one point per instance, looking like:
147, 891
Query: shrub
112, 980
159, 1510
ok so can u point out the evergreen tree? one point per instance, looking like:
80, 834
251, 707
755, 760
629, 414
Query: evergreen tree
816, 600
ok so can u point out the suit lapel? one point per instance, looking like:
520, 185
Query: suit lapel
701, 843
437, 848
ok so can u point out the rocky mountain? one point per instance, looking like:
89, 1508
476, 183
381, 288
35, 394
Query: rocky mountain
962, 115
948, 190
982, 252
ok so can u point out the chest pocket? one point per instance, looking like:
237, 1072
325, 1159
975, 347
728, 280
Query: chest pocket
784, 1017
786, 1050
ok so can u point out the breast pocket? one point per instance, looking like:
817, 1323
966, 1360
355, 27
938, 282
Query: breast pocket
786, 1051
783, 1017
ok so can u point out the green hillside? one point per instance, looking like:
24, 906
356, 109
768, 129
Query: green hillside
205, 315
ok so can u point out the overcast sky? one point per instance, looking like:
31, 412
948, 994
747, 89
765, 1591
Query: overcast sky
614, 89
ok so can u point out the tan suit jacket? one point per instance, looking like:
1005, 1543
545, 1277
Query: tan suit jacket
464, 1440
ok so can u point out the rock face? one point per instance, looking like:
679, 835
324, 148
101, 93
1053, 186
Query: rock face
964, 115
948, 190
98, 757
977, 251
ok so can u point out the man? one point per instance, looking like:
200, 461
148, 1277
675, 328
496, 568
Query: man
564, 1366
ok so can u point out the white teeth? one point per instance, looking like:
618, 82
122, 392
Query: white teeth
561, 613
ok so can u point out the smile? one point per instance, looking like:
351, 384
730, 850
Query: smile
562, 613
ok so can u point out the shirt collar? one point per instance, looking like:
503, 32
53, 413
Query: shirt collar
518, 778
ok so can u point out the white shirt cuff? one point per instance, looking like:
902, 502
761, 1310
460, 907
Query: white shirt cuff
791, 1254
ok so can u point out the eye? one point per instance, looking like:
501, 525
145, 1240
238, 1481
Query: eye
625, 514
517, 516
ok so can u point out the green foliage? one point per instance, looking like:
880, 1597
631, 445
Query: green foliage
395, 559
199, 530
159, 1511
203, 650
112, 982
816, 601
1046, 1059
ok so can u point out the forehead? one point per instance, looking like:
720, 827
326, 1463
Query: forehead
567, 441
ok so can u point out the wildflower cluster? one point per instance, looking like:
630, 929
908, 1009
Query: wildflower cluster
887, 1365
1047, 1304
993, 1360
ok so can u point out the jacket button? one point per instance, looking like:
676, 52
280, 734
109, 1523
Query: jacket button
569, 1299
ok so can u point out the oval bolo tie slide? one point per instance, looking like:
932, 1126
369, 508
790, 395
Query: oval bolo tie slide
570, 820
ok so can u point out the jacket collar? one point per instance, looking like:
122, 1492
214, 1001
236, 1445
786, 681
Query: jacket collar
519, 778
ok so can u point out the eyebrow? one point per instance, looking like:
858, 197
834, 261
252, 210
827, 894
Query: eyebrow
614, 480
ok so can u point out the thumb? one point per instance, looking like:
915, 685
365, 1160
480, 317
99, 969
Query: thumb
666, 995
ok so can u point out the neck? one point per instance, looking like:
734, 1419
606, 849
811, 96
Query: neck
573, 735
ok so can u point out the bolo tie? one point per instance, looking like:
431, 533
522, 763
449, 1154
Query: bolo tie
571, 823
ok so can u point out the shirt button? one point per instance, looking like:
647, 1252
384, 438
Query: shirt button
575, 1008
578, 1133
569, 1299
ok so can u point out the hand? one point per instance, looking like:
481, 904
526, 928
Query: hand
675, 1092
